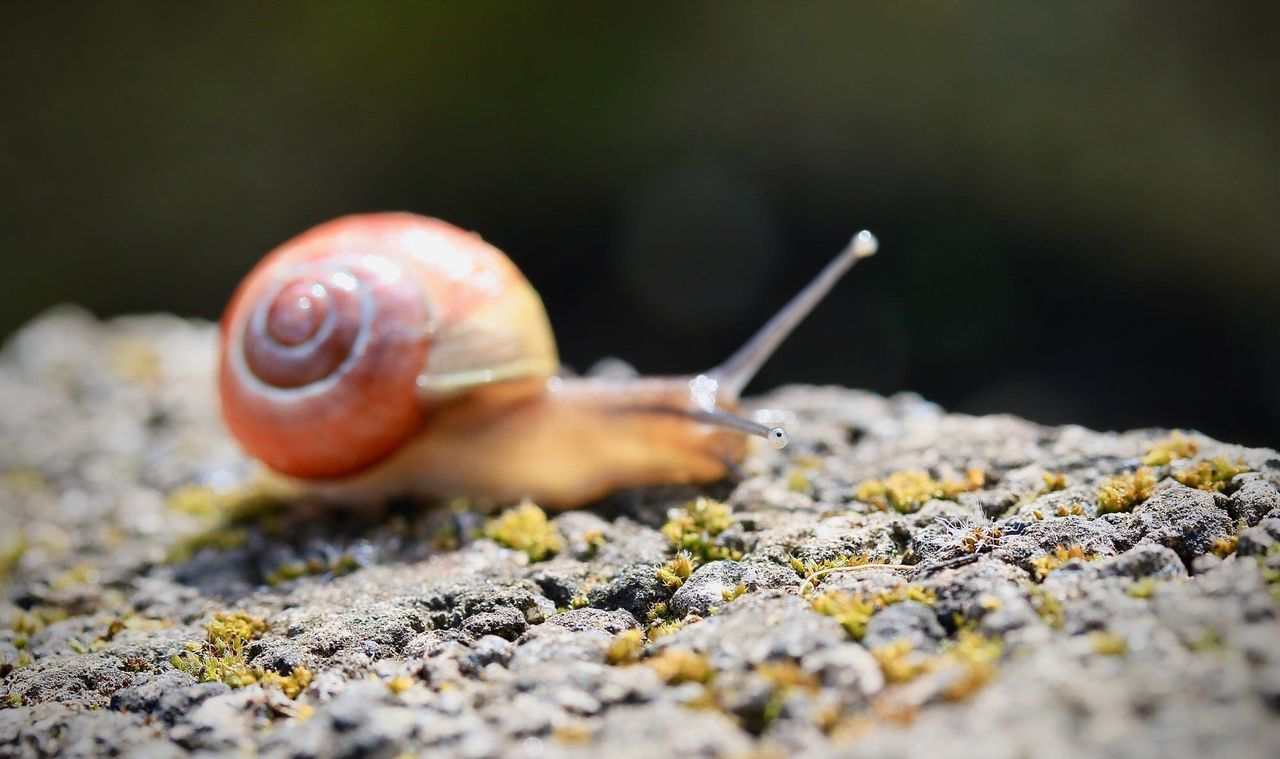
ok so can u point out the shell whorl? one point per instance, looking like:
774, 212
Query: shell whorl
337, 343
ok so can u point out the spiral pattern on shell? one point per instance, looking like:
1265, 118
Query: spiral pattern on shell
321, 355
335, 346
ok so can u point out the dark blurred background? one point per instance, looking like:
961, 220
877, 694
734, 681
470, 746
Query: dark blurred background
1079, 205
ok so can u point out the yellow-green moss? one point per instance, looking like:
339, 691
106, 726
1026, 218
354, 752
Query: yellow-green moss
675, 572
854, 610
29, 622
1224, 547
1053, 481
293, 570
594, 540
1213, 475
971, 656
798, 481
694, 527
1048, 607
899, 662
625, 648
81, 574
221, 658
11, 553
807, 568
1144, 588
784, 678
399, 684
976, 657
907, 491
1123, 492
1109, 644
661, 629
1041, 566
729, 594
227, 516
1074, 510
676, 666
1176, 446
526, 528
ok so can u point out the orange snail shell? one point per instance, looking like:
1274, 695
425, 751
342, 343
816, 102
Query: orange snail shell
337, 343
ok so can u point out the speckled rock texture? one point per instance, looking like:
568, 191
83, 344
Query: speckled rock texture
1014, 619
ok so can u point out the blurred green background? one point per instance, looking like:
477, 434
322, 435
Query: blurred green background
1079, 204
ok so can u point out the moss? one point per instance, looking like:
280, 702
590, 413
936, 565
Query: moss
292, 684
971, 657
527, 529
11, 553
1041, 566
1213, 475
1144, 588
663, 629
80, 575
812, 572
1048, 607
400, 684
1224, 547
1123, 492
730, 594
29, 622
694, 527
345, 563
573, 733
1209, 641
222, 539
1176, 446
595, 540
228, 516
784, 678
221, 658
25, 481
676, 666
976, 657
854, 610
675, 572
234, 629
625, 648
899, 662
1109, 644
579, 602
907, 491
798, 481
1053, 482
1074, 510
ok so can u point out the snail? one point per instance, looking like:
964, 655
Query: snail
391, 353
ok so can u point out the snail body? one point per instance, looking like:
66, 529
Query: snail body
392, 353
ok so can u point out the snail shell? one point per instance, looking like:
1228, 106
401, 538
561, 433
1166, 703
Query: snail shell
337, 344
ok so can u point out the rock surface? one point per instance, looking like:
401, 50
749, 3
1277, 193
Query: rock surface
1015, 617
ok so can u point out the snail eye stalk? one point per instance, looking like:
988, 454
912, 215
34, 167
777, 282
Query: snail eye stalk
734, 374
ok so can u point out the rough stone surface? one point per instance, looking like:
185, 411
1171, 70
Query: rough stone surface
1016, 620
